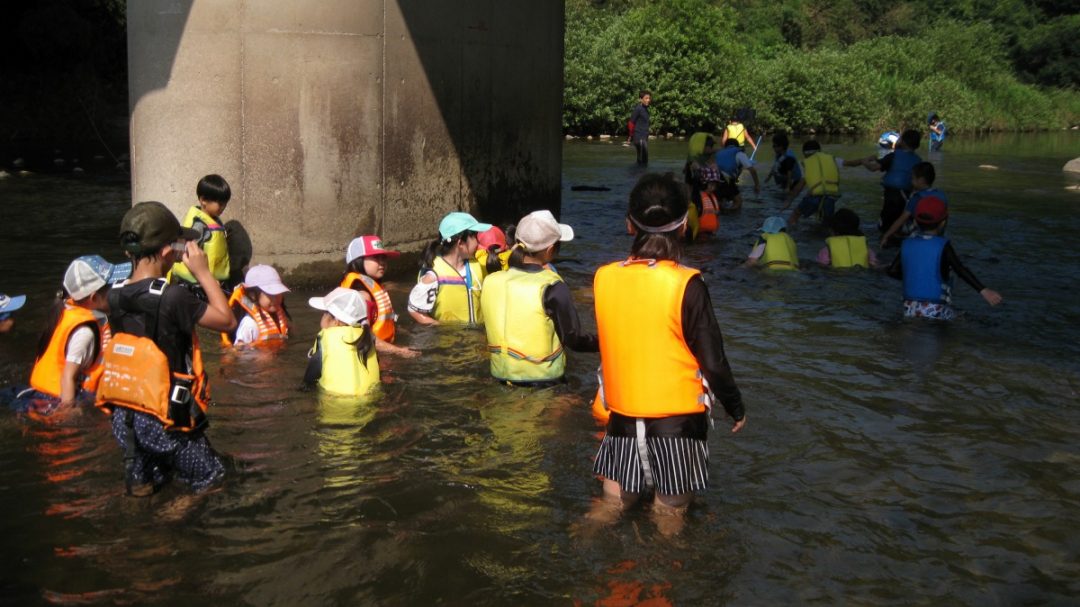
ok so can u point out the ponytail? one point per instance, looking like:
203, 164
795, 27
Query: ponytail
517, 257
437, 247
493, 264
365, 344
51, 322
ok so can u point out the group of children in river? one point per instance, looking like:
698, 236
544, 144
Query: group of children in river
123, 337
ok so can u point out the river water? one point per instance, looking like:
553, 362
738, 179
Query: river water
884, 461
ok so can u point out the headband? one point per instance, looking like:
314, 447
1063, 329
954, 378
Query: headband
658, 229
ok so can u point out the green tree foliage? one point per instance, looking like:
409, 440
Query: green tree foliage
837, 65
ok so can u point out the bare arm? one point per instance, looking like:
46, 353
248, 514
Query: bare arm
68, 386
895, 227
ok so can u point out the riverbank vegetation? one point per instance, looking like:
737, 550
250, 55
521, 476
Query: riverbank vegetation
826, 65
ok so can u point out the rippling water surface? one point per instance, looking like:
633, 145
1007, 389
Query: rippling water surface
884, 461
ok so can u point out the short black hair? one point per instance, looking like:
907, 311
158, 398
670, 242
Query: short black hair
731, 142
780, 140
924, 171
911, 139
213, 188
644, 92
811, 146
845, 223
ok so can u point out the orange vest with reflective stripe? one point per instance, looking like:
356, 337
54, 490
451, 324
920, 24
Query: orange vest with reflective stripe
710, 213
385, 325
647, 368
270, 328
49, 367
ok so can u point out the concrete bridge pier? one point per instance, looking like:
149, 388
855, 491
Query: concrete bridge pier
333, 118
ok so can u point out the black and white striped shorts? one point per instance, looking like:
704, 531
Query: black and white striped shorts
677, 448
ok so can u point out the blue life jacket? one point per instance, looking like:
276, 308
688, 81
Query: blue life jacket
725, 161
920, 257
899, 174
936, 137
796, 173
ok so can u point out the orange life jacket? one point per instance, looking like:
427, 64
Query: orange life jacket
710, 213
647, 368
384, 327
137, 376
271, 328
49, 367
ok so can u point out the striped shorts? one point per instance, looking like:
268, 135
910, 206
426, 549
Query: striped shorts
676, 453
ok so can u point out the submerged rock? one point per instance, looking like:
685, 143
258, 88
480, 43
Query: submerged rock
988, 167
1072, 166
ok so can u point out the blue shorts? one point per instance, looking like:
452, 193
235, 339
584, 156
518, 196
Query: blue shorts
824, 206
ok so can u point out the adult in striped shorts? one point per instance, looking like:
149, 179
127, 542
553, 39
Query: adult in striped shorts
662, 361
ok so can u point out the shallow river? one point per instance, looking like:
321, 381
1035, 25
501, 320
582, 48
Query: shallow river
884, 461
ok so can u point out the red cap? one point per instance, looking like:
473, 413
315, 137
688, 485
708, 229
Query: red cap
365, 246
931, 210
494, 236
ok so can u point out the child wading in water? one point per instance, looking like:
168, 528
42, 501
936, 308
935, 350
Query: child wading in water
8, 306
492, 251
343, 359
365, 265
924, 263
68, 362
259, 304
662, 360
204, 218
846, 248
775, 249
448, 289
529, 314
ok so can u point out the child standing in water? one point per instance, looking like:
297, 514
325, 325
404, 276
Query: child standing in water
775, 249
822, 181
8, 306
662, 361
785, 171
259, 304
922, 181
846, 248
68, 362
492, 251
529, 313
896, 183
366, 262
924, 263
343, 359
204, 217
450, 277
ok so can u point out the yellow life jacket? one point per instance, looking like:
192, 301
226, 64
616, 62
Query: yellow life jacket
48, 371
521, 336
780, 252
647, 370
458, 298
385, 326
342, 370
848, 251
735, 131
137, 376
216, 247
271, 328
822, 176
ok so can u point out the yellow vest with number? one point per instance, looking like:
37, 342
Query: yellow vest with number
216, 248
342, 370
458, 298
848, 251
780, 252
521, 336
822, 176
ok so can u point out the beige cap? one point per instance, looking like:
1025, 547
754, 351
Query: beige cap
539, 230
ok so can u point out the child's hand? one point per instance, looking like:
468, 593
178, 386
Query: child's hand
195, 259
991, 296
738, 425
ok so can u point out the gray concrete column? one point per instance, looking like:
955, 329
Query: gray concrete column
333, 118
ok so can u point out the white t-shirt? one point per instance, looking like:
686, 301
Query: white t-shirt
422, 296
80, 346
247, 332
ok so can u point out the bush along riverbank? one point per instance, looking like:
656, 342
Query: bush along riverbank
700, 65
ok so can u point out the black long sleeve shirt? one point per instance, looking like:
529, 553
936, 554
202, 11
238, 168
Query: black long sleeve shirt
949, 261
703, 337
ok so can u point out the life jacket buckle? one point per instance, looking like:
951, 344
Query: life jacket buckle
180, 394
158, 286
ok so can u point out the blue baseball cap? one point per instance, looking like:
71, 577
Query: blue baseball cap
774, 225
89, 273
458, 222
9, 304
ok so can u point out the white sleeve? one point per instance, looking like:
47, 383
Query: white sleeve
247, 331
80, 346
757, 251
422, 296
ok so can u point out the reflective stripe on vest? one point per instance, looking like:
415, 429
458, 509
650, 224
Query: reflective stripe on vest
216, 248
648, 370
342, 371
780, 252
920, 259
458, 299
710, 213
521, 337
822, 175
270, 328
136, 376
48, 371
848, 251
385, 326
